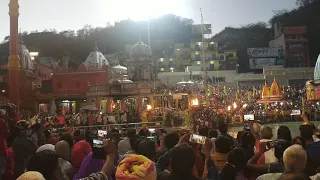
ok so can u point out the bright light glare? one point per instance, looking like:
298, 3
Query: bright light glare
149, 107
34, 54
235, 105
195, 102
139, 10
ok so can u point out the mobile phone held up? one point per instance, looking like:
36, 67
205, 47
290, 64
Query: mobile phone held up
248, 117
97, 149
102, 133
194, 138
295, 112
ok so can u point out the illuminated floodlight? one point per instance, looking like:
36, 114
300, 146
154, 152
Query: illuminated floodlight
33, 54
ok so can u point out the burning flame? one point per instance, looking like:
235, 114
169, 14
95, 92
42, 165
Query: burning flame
235, 105
149, 107
195, 102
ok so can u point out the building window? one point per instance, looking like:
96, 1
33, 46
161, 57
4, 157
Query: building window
214, 56
222, 58
197, 47
212, 46
198, 57
185, 55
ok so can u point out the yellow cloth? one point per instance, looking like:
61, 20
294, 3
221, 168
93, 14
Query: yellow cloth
136, 167
144, 118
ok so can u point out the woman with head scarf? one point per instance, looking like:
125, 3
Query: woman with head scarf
46, 147
89, 165
44, 162
80, 150
23, 147
64, 166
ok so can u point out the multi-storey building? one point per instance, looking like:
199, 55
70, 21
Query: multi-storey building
191, 54
295, 44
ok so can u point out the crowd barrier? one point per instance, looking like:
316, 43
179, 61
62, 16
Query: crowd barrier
123, 126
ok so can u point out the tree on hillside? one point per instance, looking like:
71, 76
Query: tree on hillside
110, 39
303, 3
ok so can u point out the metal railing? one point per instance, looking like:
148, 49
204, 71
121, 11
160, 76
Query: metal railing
155, 124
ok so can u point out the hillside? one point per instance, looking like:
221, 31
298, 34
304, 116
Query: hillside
252, 35
110, 39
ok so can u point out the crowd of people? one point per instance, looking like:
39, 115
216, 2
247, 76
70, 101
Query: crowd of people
36, 153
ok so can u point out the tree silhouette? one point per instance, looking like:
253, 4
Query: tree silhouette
78, 44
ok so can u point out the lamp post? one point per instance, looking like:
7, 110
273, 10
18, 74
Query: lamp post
14, 60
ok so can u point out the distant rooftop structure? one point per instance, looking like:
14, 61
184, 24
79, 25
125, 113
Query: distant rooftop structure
25, 57
96, 59
316, 75
120, 69
140, 51
50, 62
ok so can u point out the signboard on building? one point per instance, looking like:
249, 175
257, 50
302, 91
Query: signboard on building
264, 52
258, 63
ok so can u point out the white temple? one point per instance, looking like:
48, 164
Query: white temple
316, 75
25, 58
120, 75
96, 59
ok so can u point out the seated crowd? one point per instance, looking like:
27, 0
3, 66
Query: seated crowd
256, 153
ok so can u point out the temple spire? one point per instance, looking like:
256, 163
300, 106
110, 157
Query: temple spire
95, 47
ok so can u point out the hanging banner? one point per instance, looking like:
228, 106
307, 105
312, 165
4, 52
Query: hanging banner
258, 63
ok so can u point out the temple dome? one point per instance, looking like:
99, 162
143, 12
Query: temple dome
140, 51
316, 75
96, 59
120, 69
275, 89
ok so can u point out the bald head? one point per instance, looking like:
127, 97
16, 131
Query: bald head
294, 159
266, 132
